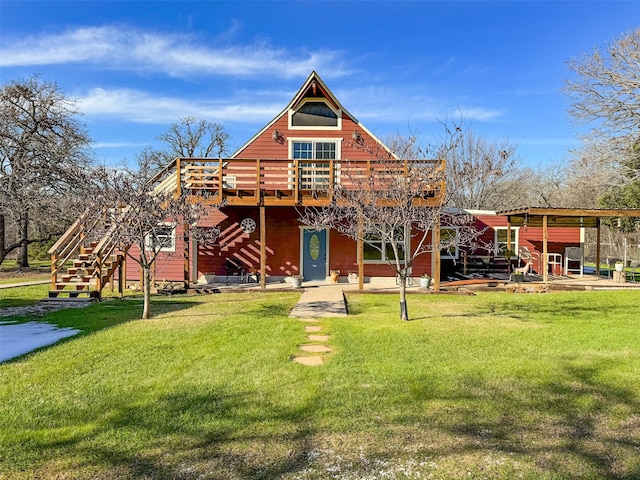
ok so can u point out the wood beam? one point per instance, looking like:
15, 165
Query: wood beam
545, 249
185, 255
435, 255
360, 255
263, 248
598, 247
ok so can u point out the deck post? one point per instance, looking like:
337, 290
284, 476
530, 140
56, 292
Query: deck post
435, 254
54, 270
545, 249
257, 192
597, 246
185, 254
178, 179
263, 248
220, 181
360, 255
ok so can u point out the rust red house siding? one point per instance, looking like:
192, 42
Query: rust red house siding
531, 237
168, 266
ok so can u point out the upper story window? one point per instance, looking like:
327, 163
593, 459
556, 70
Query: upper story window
314, 150
314, 115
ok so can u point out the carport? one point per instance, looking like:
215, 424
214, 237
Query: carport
562, 217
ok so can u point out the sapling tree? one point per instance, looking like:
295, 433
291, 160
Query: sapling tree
391, 204
137, 212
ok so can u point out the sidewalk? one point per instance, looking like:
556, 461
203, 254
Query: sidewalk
317, 301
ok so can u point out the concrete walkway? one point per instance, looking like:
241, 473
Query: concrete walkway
321, 301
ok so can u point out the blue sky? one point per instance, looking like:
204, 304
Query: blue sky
135, 67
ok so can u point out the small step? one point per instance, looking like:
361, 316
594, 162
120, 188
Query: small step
70, 299
74, 294
87, 272
73, 284
76, 278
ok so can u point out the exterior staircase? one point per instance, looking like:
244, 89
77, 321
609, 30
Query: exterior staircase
80, 268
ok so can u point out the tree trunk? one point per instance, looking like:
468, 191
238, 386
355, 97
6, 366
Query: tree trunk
404, 312
3, 252
147, 292
23, 256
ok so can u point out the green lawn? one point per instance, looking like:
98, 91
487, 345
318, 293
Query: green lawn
492, 386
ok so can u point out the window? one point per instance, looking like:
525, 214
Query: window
500, 240
162, 238
449, 239
314, 114
377, 249
314, 175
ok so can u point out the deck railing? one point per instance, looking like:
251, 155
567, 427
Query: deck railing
293, 181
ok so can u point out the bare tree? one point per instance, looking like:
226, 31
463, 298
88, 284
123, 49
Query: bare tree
607, 87
605, 93
189, 137
482, 174
134, 211
387, 205
44, 160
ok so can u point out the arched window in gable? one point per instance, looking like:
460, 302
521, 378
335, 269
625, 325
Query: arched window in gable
314, 114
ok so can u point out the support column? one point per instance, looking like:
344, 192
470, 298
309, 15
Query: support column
597, 246
263, 248
185, 255
436, 261
545, 250
360, 255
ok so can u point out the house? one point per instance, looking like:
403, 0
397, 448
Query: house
291, 164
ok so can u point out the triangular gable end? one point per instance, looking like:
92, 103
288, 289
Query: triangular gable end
312, 88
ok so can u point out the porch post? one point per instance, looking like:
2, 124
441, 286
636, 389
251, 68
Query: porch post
360, 255
510, 252
185, 254
545, 259
597, 246
436, 261
263, 248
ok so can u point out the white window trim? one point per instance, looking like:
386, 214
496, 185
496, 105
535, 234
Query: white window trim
337, 141
515, 234
384, 260
456, 254
338, 112
171, 248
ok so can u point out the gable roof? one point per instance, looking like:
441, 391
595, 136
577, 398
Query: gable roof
313, 82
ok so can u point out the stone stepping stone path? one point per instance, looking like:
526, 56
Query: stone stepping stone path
315, 335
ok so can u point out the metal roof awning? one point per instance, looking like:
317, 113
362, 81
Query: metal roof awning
564, 217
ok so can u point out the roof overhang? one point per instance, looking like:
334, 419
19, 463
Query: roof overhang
565, 217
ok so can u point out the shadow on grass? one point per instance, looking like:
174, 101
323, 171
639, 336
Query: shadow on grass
579, 425
195, 434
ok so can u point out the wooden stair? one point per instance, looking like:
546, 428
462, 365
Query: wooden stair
92, 266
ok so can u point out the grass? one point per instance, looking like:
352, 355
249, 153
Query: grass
492, 386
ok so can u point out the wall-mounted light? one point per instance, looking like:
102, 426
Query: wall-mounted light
357, 137
277, 136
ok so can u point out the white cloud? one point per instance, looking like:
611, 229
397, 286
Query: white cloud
409, 104
143, 107
173, 54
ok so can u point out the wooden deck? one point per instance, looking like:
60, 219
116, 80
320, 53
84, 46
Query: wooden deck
291, 182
